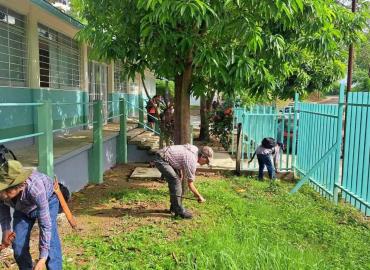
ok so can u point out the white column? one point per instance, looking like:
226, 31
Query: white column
84, 66
33, 67
111, 78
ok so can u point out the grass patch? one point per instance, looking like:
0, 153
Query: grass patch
141, 194
241, 226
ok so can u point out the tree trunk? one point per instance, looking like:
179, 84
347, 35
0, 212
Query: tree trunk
182, 103
205, 108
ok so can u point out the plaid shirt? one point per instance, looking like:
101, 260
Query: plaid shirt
182, 157
36, 195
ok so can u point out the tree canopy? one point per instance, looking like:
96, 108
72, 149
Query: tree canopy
263, 47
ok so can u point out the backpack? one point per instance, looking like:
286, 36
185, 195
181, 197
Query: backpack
268, 143
4, 153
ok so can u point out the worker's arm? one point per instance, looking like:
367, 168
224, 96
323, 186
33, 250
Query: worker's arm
38, 195
195, 192
5, 220
276, 158
254, 154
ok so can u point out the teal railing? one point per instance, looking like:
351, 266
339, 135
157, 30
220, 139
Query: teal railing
44, 133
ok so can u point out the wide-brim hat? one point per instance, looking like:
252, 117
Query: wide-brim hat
13, 174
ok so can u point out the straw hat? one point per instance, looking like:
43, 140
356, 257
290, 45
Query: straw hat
13, 174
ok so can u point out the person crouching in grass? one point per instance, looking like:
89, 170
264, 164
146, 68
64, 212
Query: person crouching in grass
31, 195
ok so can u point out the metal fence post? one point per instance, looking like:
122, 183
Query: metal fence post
122, 136
232, 132
96, 167
295, 126
141, 111
337, 178
45, 141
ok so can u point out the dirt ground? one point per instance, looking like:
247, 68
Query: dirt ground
98, 213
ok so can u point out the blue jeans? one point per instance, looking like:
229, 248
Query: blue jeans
265, 160
22, 225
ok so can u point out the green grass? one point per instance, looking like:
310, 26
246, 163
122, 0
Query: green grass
241, 226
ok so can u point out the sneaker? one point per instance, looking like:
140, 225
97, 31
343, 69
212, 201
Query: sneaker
185, 215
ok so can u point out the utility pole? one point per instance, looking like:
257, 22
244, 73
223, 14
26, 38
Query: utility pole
349, 88
350, 58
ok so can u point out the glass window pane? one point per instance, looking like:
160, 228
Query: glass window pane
63, 58
12, 48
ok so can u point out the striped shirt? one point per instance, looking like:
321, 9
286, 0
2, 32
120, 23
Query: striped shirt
35, 196
182, 157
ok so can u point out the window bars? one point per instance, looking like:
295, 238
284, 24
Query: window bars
120, 84
98, 85
13, 48
59, 60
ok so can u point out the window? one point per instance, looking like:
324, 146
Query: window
120, 84
13, 53
59, 60
98, 77
98, 88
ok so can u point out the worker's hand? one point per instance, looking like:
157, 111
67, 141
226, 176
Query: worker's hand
8, 238
201, 199
40, 265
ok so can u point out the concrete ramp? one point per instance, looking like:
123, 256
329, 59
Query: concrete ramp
141, 173
222, 162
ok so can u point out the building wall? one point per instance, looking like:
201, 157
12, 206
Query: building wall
21, 120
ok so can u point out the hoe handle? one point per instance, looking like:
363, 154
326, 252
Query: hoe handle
64, 205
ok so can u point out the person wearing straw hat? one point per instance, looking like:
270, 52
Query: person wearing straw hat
181, 160
31, 195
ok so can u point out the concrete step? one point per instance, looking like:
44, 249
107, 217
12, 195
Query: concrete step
115, 127
134, 132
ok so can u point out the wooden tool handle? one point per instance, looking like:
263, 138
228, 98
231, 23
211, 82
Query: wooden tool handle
64, 205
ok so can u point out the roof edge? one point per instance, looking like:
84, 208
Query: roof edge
55, 11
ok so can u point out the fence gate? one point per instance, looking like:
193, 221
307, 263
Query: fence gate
356, 158
259, 122
319, 145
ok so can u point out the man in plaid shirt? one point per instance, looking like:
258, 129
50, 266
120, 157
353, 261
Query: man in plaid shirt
177, 161
32, 196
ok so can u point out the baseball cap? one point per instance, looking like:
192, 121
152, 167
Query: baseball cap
207, 152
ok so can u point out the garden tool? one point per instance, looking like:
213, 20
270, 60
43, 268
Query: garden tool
64, 205
187, 198
8, 241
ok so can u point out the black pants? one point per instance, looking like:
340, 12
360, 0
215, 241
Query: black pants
174, 183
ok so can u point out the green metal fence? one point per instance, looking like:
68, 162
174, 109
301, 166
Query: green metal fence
259, 122
319, 145
315, 150
356, 159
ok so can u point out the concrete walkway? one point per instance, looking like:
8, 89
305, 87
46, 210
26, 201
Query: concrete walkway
222, 162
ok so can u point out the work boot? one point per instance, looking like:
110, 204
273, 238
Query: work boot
185, 215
